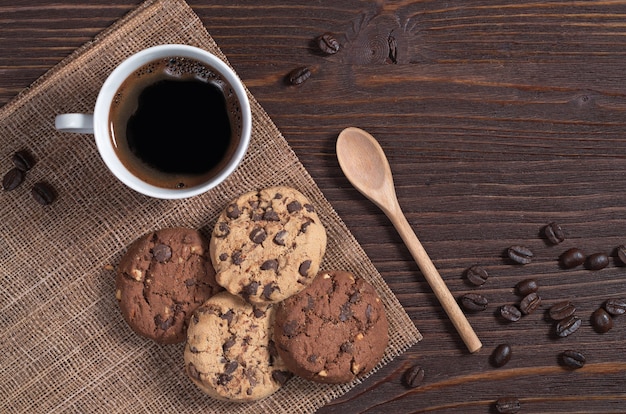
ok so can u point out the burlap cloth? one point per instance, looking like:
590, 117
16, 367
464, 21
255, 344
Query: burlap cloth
63, 343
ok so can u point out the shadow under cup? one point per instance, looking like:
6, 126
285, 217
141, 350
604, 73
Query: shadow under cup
177, 122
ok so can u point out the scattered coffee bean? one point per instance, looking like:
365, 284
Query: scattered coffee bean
23, 160
12, 179
530, 303
510, 313
562, 310
573, 359
299, 75
44, 193
501, 355
526, 287
477, 275
568, 326
473, 302
508, 405
520, 254
414, 376
601, 320
327, 43
621, 253
615, 306
597, 261
554, 233
572, 258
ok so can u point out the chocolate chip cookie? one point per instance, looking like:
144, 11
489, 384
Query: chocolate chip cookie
333, 331
162, 278
230, 354
267, 245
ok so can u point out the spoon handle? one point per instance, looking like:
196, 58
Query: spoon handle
435, 281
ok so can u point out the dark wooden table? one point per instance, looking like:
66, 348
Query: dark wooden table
497, 118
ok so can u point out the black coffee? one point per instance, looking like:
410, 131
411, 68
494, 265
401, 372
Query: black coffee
175, 122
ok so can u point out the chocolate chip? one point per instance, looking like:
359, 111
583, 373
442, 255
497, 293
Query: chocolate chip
223, 256
192, 371
223, 379
12, 179
163, 324
230, 342
294, 206
250, 289
345, 312
190, 282
355, 297
162, 253
230, 367
278, 196
309, 207
258, 313
270, 215
304, 268
280, 237
232, 211
281, 377
271, 348
290, 328
312, 358
23, 160
271, 264
268, 290
347, 347
228, 316
221, 229
258, 235
304, 226
368, 312
237, 257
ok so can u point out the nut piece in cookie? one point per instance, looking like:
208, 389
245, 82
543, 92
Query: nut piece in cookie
230, 354
267, 245
161, 279
333, 331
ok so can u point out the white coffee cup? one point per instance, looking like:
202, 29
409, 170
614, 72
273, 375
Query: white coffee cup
98, 122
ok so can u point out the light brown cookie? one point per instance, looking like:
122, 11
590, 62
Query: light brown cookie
333, 331
267, 245
230, 354
162, 278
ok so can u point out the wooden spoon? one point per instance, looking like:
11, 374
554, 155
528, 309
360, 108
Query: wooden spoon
365, 165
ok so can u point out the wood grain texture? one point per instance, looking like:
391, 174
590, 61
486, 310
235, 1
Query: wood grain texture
497, 118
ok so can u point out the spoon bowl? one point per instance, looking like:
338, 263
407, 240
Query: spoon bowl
365, 165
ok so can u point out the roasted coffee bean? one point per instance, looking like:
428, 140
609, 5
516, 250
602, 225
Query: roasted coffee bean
510, 313
12, 179
44, 193
597, 261
23, 160
526, 287
327, 43
413, 377
473, 302
299, 75
601, 320
508, 405
520, 254
501, 355
530, 303
568, 326
561, 310
621, 253
615, 306
554, 233
572, 258
572, 359
477, 275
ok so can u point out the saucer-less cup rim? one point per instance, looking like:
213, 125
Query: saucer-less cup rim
81, 123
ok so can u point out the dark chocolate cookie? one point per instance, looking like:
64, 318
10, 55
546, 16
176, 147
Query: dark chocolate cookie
230, 354
268, 245
333, 331
163, 277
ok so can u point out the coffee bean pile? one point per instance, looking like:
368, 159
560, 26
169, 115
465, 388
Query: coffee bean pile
562, 314
23, 161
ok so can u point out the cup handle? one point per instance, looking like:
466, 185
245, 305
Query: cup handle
76, 123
